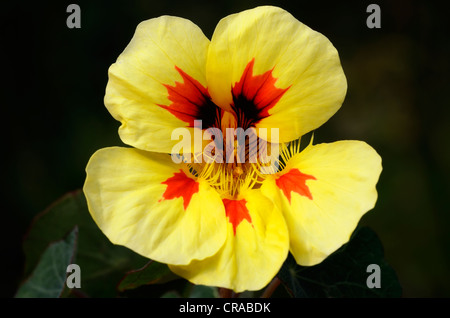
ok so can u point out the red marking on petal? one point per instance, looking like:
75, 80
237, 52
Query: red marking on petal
295, 181
255, 95
180, 185
236, 211
190, 101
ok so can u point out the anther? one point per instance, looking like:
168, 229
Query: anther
237, 171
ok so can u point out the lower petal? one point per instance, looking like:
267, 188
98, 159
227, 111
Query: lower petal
256, 247
323, 193
149, 204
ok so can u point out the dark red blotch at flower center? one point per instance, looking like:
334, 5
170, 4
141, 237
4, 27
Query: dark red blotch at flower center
180, 185
191, 101
253, 97
236, 211
294, 181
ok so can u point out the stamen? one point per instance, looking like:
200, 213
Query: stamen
237, 171
228, 179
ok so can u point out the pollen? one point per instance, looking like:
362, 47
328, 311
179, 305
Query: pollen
228, 179
237, 171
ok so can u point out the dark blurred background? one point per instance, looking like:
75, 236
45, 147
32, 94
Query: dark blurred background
397, 101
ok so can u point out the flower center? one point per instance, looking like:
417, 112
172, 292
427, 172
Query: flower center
229, 179
235, 155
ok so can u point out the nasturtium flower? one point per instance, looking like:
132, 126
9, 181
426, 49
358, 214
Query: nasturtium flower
228, 222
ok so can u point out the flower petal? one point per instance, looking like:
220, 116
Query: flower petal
291, 71
256, 247
323, 192
149, 204
158, 83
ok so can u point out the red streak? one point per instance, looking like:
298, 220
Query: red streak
295, 181
236, 211
180, 185
188, 98
259, 89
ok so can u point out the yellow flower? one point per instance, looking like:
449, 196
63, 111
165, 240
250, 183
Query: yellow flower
226, 221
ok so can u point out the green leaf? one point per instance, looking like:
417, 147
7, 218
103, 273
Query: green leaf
152, 273
201, 291
102, 263
51, 225
288, 276
193, 291
343, 273
171, 294
49, 277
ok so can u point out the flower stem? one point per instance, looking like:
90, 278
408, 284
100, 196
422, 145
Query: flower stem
271, 288
225, 293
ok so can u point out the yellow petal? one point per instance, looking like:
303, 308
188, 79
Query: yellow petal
158, 82
323, 192
284, 57
256, 247
149, 204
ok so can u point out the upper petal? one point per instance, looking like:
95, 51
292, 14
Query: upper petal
255, 249
292, 72
158, 83
323, 193
149, 204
